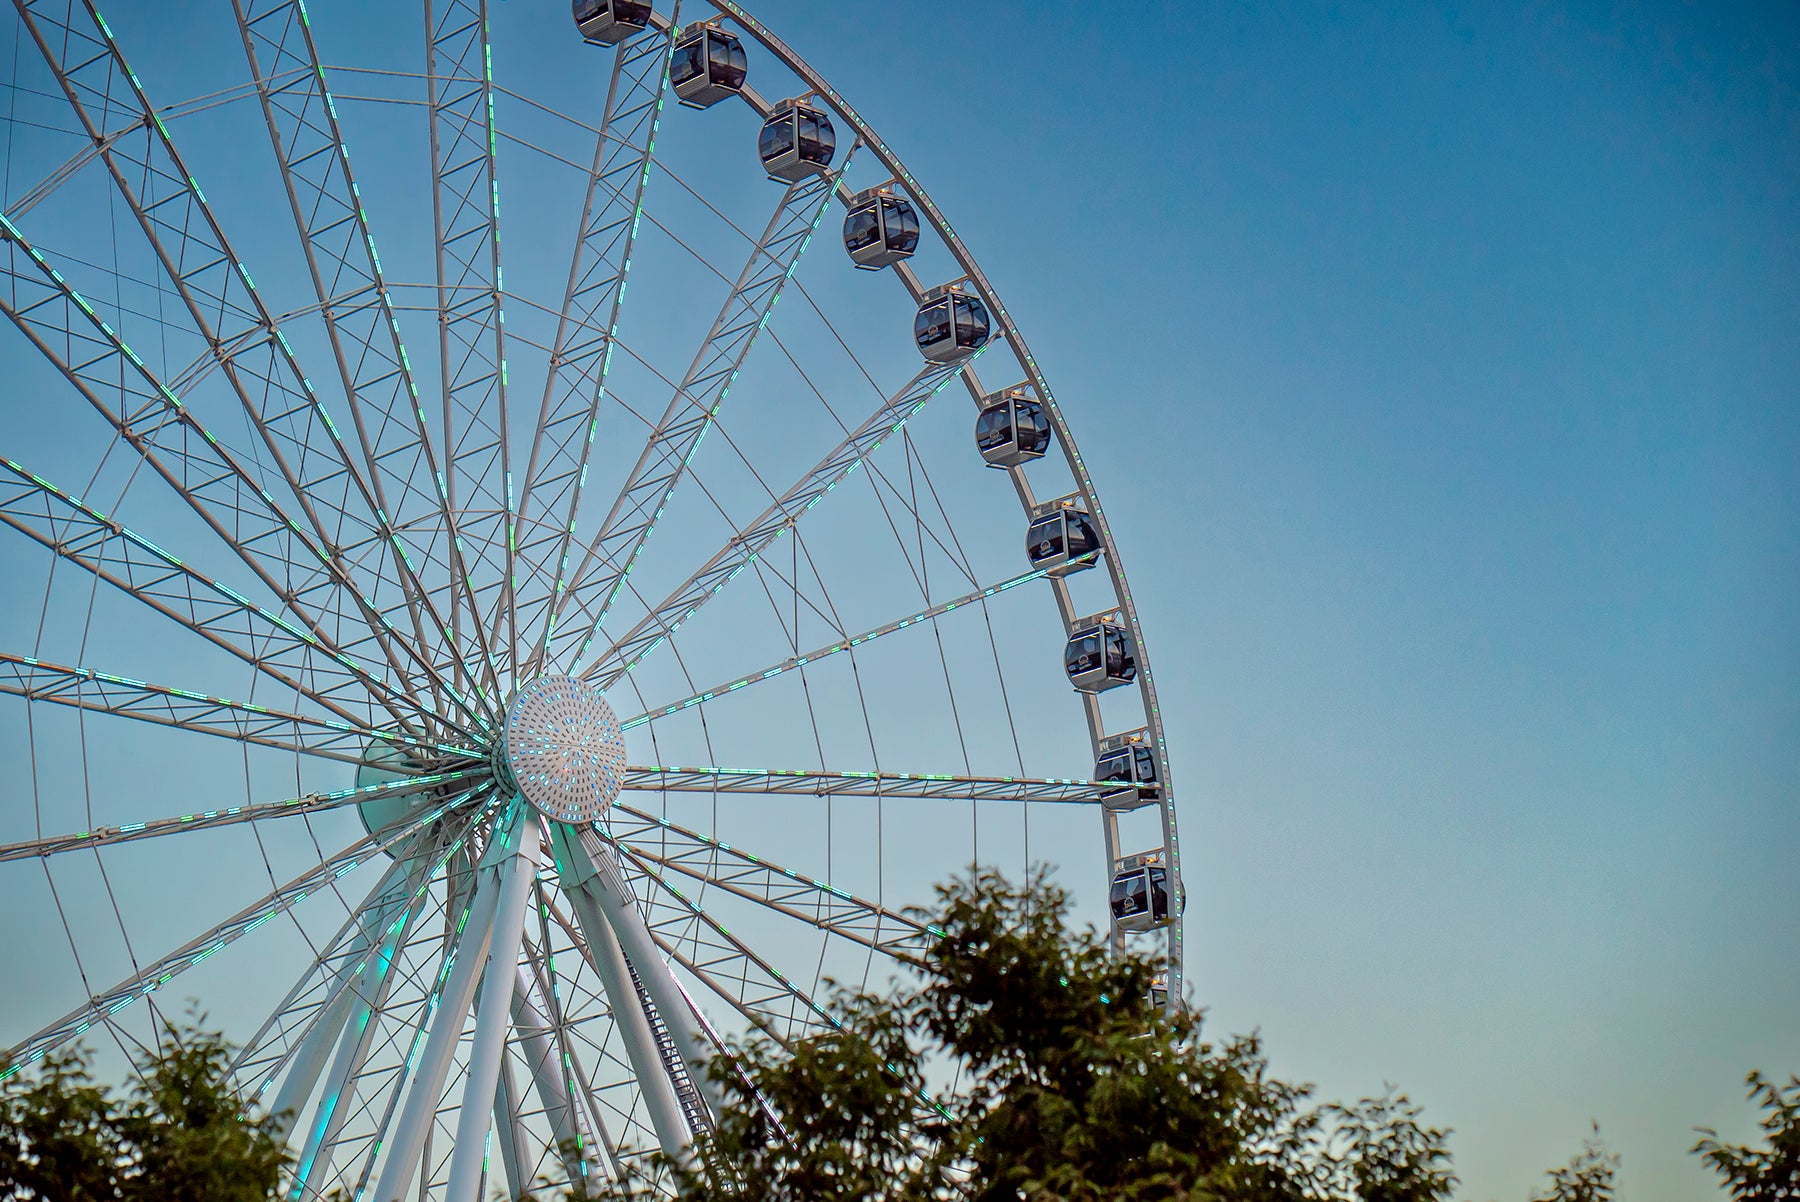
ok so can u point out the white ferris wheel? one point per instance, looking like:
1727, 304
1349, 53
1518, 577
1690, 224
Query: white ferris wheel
348, 688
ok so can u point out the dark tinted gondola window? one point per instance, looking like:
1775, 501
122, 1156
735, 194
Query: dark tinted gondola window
1159, 891
932, 325
902, 225
817, 141
971, 321
1130, 895
777, 137
1114, 765
633, 12
993, 429
586, 9
1146, 765
1082, 538
1083, 653
1034, 430
861, 228
1044, 540
688, 62
728, 63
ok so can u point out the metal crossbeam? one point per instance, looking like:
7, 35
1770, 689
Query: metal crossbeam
752, 540
294, 656
354, 300
471, 323
917, 786
103, 1006
691, 412
676, 848
715, 957
93, 691
460, 780
581, 355
224, 307
269, 1052
232, 500
829, 649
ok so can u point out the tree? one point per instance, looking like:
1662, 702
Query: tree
1770, 1174
178, 1135
1070, 1085
1587, 1178
1378, 1152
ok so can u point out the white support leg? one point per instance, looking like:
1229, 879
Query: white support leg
615, 898
468, 1152
402, 1161
576, 869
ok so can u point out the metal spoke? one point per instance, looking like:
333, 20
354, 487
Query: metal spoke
354, 298
676, 848
582, 353
829, 649
718, 960
99, 692
215, 288
103, 1006
752, 540
460, 781
471, 323
923, 786
690, 414
227, 496
268, 1054
295, 657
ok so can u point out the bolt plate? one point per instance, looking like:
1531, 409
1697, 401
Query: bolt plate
564, 749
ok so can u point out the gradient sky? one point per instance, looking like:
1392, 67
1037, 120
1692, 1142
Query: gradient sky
1440, 370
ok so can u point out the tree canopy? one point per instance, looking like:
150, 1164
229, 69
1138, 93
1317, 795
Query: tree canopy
1021, 1061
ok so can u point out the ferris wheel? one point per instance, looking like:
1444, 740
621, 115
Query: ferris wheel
349, 690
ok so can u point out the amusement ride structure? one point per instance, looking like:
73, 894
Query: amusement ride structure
407, 522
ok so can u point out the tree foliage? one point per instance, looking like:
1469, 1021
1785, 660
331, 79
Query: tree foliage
1021, 1062
179, 1133
1587, 1178
1060, 1080
1770, 1174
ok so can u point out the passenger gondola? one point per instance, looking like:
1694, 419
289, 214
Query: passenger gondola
1128, 761
1012, 429
1142, 896
951, 325
1062, 537
1099, 654
610, 22
880, 229
796, 141
709, 66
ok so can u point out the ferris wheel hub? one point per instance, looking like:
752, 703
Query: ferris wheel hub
562, 748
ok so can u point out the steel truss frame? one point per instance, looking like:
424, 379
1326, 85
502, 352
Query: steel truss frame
400, 581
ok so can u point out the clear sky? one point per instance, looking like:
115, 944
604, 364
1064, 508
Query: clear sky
1440, 370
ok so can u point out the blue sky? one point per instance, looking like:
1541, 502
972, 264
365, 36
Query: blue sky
1439, 368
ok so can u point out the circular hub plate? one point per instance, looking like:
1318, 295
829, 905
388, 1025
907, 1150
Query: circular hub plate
563, 746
